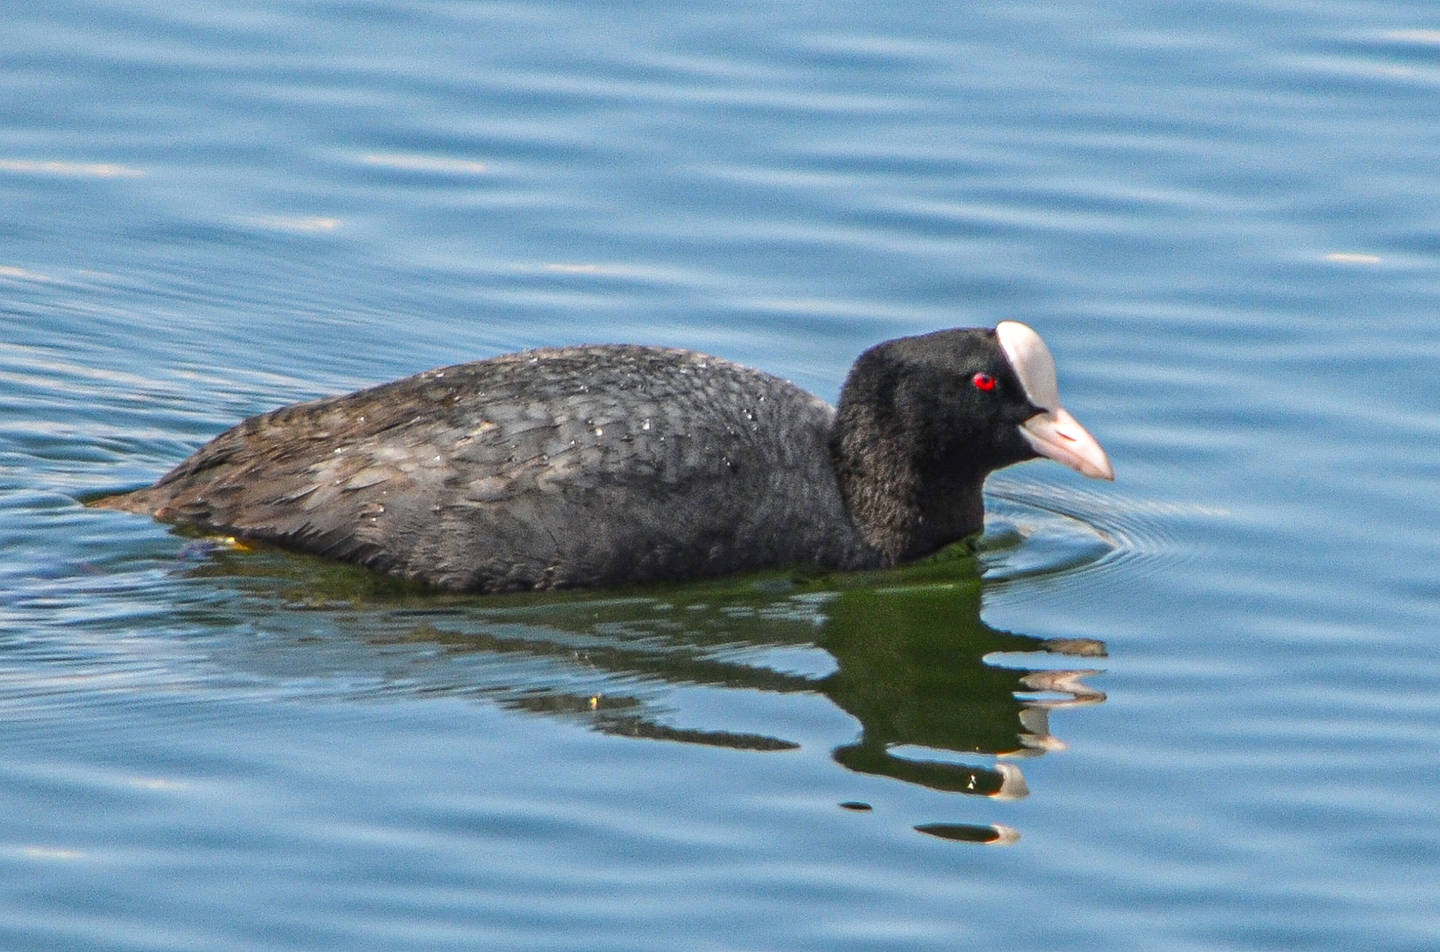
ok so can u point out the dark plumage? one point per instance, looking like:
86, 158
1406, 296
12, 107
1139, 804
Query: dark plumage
587, 466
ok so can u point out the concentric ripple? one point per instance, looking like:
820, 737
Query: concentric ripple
1041, 531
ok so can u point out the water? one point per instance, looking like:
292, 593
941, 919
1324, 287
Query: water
1208, 696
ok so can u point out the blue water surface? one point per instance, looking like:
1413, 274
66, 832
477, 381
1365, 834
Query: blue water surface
1197, 709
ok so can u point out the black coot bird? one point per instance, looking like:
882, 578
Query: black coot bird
603, 465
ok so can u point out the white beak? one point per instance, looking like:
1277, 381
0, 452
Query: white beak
1059, 436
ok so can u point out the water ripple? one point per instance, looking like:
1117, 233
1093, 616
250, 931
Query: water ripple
1040, 531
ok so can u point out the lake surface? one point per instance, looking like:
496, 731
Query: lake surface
1197, 709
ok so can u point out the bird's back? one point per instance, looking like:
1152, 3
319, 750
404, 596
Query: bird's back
549, 468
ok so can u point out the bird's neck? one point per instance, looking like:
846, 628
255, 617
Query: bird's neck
906, 500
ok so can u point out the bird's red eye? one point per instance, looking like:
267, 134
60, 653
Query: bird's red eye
983, 381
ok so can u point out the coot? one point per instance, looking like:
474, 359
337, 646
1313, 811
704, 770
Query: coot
602, 465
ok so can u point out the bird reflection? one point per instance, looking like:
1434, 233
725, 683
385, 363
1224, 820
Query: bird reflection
913, 670
909, 658
910, 666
